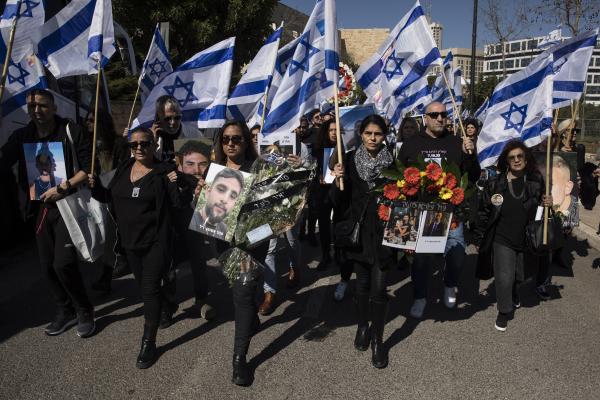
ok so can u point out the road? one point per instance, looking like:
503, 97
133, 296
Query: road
304, 350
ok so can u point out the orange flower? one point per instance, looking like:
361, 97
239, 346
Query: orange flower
410, 190
433, 171
391, 191
412, 175
451, 181
458, 195
384, 212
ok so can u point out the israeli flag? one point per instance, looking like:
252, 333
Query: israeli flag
250, 90
21, 78
395, 77
77, 37
482, 110
311, 74
200, 85
157, 64
572, 59
553, 38
520, 108
439, 90
30, 18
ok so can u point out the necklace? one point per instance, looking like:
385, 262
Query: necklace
44, 188
137, 178
512, 191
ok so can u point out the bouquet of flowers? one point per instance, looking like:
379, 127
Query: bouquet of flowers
425, 182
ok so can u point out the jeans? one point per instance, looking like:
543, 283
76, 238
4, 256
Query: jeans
149, 267
293, 242
371, 281
507, 263
246, 315
58, 259
454, 256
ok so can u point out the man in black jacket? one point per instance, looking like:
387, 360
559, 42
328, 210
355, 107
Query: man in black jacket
435, 143
56, 251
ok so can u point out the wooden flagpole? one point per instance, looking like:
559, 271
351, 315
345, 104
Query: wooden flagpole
9, 48
455, 107
548, 176
338, 134
96, 116
137, 92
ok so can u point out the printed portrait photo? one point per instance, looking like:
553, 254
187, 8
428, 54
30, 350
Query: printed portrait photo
401, 230
436, 223
283, 144
45, 167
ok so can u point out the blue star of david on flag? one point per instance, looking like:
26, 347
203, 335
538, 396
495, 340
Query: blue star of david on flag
19, 78
518, 126
396, 68
189, 91
29, 6
157, 68
309, 51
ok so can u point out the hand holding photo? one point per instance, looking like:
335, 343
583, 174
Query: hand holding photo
45, 167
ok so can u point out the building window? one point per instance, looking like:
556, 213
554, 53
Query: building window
498, 49
597, 61
596, 78
589, 78
525, 62
493, 65
510, 64
515, 46
532, 44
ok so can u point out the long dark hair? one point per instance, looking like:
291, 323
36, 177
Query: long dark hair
407, 122
250, 154
530, 167
323, 135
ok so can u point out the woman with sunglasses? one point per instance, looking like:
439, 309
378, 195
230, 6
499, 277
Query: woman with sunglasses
167, 127
141, 197
361, 173
509, 202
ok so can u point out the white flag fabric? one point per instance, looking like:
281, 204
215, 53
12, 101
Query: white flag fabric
520, 108
74, 39
249, 92
554, 37
439, 90
157, 64
395, 77
482, 110
572, 60
30, 18
311, 74
200, 85
22, 77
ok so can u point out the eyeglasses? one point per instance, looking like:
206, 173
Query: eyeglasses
143, 144
233, 139
173, 118
516, 157
435, 114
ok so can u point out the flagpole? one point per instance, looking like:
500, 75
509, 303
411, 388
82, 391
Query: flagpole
137, 92
9, 48
548, 157
462, 128
96, 115
338, 135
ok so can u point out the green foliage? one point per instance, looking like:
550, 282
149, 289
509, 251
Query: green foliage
483, 89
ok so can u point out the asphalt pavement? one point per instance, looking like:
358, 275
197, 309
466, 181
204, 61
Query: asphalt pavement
304, 350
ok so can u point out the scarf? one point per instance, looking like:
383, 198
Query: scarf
369, 168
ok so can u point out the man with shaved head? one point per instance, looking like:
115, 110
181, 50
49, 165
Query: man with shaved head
435, 143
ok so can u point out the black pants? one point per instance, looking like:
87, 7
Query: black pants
324, 217
371, 281
58, 259
149, 266
543, 273
508, 274
421, 269
198, 252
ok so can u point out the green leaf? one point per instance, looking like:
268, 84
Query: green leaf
391, 173
464, 181
420, 162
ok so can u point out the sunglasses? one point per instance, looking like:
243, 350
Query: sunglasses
516, 157
435, 114
173, 118
233, 139
143, 144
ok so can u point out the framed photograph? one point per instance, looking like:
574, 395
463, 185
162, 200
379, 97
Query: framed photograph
434, 231
402, 229
280, 143
220, 201
45, 163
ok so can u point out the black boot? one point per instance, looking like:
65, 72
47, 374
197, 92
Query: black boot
148, 353
361, 340
241, 371
102, 285
378, 314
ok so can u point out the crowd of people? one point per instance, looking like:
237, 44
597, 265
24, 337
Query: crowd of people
151, 189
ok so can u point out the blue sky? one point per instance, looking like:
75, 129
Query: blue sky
454, 15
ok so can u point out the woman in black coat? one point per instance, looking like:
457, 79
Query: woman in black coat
361, 175
141, 198
509, 202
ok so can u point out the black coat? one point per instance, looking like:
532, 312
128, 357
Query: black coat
351, 202
489, 215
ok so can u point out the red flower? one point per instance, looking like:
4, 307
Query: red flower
451, 181
391, 191
384, 212
432, 188
410, 190
412, 175
433, 171
458, 195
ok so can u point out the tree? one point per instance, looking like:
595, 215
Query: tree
483, 89
577, 15
504, 25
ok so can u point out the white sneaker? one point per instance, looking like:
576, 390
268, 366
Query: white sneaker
418, 308
450, 297
340, 290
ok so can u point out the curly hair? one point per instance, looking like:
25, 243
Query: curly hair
530, 166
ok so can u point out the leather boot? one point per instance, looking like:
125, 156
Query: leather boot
148, 353
361, 340
293, 278
378, 314
241, 371
268, 304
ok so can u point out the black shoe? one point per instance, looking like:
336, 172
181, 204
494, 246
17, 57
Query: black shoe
516, 299
102, 285
61, 323
361, 340
501, 322
148, 354
379, 357
241, 372
542, 292
85, 323
166, 316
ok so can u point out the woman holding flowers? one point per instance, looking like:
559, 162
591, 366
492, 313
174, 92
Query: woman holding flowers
361, 174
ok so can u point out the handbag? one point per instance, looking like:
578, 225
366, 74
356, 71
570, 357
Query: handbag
85, 218
347, 232
534, 235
